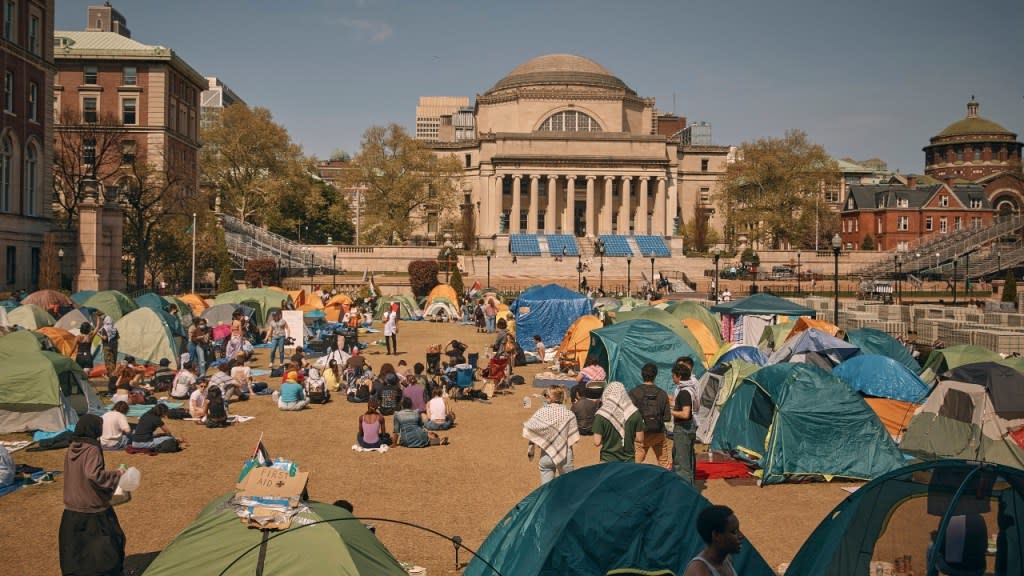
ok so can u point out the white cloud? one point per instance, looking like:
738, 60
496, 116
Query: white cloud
377, 31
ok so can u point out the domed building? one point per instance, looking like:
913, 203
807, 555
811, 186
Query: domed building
562, 146
980, 151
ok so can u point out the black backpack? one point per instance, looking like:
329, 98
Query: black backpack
650, 410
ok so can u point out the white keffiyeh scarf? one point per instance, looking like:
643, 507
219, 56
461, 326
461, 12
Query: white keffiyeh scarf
616, 407
553, 428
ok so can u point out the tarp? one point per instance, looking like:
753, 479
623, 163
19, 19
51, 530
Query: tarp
324, 540
146, 335
111, 302
260, 299
623, 348
669, 321
803, 421
943, 359
616, 518
812, 341
804, 322
576, 341
689, 309
872, 341
64, 342
30, 317
881, 376
762, 303
447, 292
547, 311
407, 307
898, 511
40, 390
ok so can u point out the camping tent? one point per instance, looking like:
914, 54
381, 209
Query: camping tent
623, 348
81, 296
616, 518
151, 300
63, 342
804, 323
221, 314
709, 344
49, 300
802, 421
774, 335
110, 302
30, 317
943, 359
669, 321
872, 341
259, 299
407, 307
690, 309
73, 319
195, 302
547, 311
446, 294
576, 341
744, 320
897, 512
746, 353
814, 347
41, 390
716, 386
961, 419
336, 307
146, 334
324, 539
893, 391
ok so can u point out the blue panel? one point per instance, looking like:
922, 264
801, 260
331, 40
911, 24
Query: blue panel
616, 245
652, 246
524, 245
556, 242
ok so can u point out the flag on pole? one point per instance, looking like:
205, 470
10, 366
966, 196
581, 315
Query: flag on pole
260, 454
475, 288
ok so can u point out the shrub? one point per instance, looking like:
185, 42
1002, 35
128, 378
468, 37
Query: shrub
225, 279
260, 273
1010, 287
456, 281
423, 277
867, 243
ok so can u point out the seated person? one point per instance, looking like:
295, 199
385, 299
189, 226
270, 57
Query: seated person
592, 371
356, 363
216, 409
197, 402
241, 374
163, 377
359, 390
416, 392
333, 376
151, 432
438, 413
123, 393
299, 360
291, 396
117, 433
372, 432
128, 372
222, 379
409, 431
389, 394
339, 356
184, 381
291, 367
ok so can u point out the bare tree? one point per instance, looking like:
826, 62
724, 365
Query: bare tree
83, 150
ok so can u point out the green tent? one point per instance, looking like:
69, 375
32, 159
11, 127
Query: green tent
146, 334
802, 421
623, 348
943, 359
80, 297
872, 341
110, 302
262, 300
667, 320
40, 390
324, 540
155, 302
184, 310
691, 309
407, 307
717, 386
766, 304
774, 336
30, 317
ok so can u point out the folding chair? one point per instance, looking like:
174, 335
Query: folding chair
463, 380
496, 375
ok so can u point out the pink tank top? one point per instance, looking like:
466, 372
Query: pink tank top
371, 430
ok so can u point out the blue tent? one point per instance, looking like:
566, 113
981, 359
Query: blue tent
617, 517
547, 311
625, 347
746, 353
813, 345
881, 376
871, 341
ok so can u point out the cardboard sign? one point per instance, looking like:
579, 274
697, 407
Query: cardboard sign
296, 326
272, 483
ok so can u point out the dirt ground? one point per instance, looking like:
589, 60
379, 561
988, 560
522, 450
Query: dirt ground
461, 489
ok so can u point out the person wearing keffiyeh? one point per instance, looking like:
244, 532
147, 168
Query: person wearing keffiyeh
553, 428
617, 424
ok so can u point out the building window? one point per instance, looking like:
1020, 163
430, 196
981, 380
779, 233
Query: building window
928, 225
6, 173
89, 112
34, 266
127, 151
89, 152
90, 74
30, 176
703, 164
943, 201
540, 219
959, 154
128, 116
957, 223
943, 225
903, 223
976, 222
523, 219
570, 121
9, 12
33, 34
12, 265
705, 195
9, 92
33, 101
976, 203
977, 154
469, 160
878, 224
902, 203
129, 76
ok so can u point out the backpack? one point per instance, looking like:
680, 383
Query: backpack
316, 387
650, 410
389, 400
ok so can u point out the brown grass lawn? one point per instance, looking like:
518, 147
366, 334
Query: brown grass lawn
461, 489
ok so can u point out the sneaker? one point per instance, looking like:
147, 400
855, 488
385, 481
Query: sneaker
444, 441
46, 478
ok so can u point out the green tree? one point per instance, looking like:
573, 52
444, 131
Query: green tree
226, 279
868, 243
83, 150
456, 282
406, 183
250, 161
772, 194
318, 208
1010, 287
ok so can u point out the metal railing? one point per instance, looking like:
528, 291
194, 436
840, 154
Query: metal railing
246, 241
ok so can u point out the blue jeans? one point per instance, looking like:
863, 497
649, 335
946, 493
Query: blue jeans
197, 355
490, 323
431, 425
277, 342
151, 445
548, 468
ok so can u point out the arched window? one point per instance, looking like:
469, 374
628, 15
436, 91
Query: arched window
6, 157
31, 180
570, 121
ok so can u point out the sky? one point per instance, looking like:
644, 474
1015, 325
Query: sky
865, 79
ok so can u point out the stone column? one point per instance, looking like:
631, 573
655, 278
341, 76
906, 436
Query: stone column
590, 205
626, 208
493, 205
513, 217
90, 235
551, 212
674, 208
607, 206
658, 219
640, 227
569, 217
531, 215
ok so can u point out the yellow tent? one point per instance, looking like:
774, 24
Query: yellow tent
444, 291
298, 297
576, 341
805, 322
708, 343
195, 302
63, 341
336, 307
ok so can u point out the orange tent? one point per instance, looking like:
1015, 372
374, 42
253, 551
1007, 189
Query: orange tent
708, 343
336, 307
894, 414
195, 302
298, 298
805, 322
63, 340
576, 341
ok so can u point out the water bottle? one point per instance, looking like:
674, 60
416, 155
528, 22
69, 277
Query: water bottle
130, 479
527, 402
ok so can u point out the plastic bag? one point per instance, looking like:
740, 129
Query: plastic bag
130, 480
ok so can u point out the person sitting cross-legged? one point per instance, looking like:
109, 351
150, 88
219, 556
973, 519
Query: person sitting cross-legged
291, 396
409, 431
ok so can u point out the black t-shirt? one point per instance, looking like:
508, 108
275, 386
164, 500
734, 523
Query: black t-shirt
683, 400
585, 408
148, 423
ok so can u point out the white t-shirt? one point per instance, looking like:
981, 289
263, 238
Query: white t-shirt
436, 410
242, 375
115, 425
182, 383
390, 323
195, 402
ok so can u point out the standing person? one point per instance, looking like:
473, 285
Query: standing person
555, 430
90, 538
277, 331
110, 337
653, 404
684, 431
391, 329
538, 344
618, 425
198, 340
720, 530
490, 314
83, 345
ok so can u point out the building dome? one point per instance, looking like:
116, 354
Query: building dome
973, 125
560, 70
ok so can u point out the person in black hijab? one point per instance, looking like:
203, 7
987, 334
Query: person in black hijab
91, 541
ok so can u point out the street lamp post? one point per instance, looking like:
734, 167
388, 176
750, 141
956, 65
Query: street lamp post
837, 246
579, 273
599, 246
311, 270
798, 270
653, 283
490, 253
60, 275
899, 277
334, 271
716, 254
953, 283
629, 262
